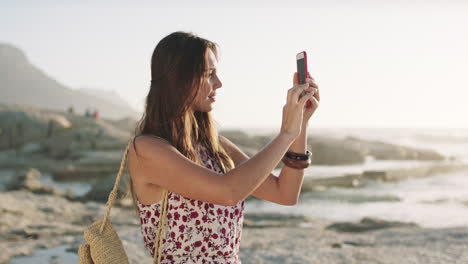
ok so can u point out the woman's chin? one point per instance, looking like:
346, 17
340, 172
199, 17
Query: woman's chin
209, 109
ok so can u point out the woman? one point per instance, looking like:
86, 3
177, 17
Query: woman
177, 148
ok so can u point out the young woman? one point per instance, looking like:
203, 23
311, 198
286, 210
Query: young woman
177, 148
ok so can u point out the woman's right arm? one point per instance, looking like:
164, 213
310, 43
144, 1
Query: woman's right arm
162, 164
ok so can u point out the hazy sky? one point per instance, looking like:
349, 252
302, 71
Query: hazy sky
378, 63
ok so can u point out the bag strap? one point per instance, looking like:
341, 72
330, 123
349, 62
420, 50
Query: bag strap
113, 197
113, 193
158, 247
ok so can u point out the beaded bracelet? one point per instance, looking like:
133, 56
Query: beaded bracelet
295, 164
298, 156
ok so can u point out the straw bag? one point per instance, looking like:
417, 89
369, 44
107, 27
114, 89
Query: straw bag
103, 243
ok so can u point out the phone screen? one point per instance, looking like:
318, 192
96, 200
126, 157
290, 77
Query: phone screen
301, 59
300, 70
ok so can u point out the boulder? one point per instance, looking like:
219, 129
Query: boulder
100, 191
387, 151
334, 151
28, 180
23, 124
349, 180
265, 220
75, 172
393, 175
367, 224
59, 135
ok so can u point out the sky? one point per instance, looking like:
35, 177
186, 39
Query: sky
383, 64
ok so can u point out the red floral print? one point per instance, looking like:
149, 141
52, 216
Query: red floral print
195, 231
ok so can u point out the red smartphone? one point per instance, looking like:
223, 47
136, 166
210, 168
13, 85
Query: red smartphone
301, 62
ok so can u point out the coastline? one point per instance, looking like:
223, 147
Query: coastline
27, 229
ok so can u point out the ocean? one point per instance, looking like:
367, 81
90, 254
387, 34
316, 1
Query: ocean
437, 201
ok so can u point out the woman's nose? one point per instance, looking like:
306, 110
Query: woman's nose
219, 84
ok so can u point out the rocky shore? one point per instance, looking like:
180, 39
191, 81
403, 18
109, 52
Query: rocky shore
73, 146
36, 217
35, 222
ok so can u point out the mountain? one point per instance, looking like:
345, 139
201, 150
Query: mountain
108, 95
25, 84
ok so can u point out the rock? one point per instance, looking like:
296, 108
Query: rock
25, 179
32, 147
83, 172
336, 245
128, 124
263, 220
29, 180
334, 151
418, 172
328, 150
349, 197
367, 224
100, 191
56, 134
313, 184
386, 151
25, 124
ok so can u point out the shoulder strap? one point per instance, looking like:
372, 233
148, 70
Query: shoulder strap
158, 247
113, 197
113, 193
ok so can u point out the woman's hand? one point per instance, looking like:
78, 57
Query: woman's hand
294, 110
314, 101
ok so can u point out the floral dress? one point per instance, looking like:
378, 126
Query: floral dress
195, 231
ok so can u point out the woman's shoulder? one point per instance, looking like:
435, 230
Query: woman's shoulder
148, 137
148, 144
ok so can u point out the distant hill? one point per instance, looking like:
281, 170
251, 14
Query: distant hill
22, 83
108, 95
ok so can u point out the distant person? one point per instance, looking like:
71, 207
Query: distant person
71, 110
50, 129
87, 113
177, 148
96, 114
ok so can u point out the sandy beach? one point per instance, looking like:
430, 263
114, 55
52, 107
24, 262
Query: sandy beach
33, 223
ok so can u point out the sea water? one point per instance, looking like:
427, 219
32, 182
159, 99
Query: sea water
437, 201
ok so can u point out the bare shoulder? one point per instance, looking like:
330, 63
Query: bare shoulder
149, 146
156, 162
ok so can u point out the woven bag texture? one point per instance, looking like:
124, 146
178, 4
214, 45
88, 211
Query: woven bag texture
103, 243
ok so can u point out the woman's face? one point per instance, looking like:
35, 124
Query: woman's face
206, 96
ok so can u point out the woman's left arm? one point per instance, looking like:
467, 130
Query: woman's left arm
286, 188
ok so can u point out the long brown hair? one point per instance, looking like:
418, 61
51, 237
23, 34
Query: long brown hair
178, 67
